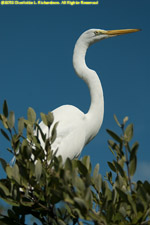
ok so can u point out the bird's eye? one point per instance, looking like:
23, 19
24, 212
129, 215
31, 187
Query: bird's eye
96, 32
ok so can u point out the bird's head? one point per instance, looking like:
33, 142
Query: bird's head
94, 35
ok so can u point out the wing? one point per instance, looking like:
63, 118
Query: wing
70, 138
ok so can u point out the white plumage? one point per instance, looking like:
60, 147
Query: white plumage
75, 129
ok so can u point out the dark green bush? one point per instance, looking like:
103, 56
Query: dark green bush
70, 193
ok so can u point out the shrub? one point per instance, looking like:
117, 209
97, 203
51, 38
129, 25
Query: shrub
38, 183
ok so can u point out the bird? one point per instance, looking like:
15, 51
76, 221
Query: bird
76, 129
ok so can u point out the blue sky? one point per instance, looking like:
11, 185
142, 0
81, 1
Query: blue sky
36, 46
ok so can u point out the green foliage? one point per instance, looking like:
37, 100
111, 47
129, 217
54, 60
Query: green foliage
55, 193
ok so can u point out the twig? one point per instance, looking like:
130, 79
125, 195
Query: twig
127, 163
145, 222
127, 159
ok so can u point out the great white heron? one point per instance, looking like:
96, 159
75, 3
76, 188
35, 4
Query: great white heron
76, 129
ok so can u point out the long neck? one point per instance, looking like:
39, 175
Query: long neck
96, 111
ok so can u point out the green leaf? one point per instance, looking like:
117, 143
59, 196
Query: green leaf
5, 109
50, 118
132, 165
89, 197
120, 182
47, 119
132, 202
13, 173
107, 192
31, 115
86, 162
11, 120
119, 168
60, 222
112, 151
24, 144
4, 188
54, 132
109, 176
27, 151
114, 196
129, 132
114, 145
98, 182
9, 171
4, 121
41, 133
81, 204
115, 118
111, 166
36, 142
79, 184
147, 186
114, 136
134, 150
16, 174
29, 131
5, 134
138, 218
38, 169
67, 198
20, 125
68, 164
44, 118
122, 194
122, 161
97, 179
96, 171
83, 170
3, 162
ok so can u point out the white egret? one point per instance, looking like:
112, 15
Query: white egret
75, 129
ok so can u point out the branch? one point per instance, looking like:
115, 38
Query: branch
145, 222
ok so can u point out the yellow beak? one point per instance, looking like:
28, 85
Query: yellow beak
120, 32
